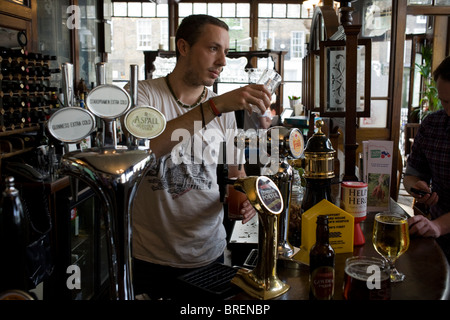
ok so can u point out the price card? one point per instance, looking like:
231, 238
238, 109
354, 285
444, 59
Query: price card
341, 226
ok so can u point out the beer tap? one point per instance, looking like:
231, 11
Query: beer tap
282, 144
276, 145
132, 141
113, 172
262, 282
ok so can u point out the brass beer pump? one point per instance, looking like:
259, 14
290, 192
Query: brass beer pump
262, 282
112, 171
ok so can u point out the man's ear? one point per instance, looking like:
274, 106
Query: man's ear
183, 47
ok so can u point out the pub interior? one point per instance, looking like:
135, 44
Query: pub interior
356, 83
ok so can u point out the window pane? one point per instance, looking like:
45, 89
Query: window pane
442, 2
293, 11
162, 11
239, 33
279, 11
243, 10
149, 9
265, 10
185, 9
215, 9
378, 119
229, 10
421, 2
120, 9
134, 9
199, 8
416, 24
380, 69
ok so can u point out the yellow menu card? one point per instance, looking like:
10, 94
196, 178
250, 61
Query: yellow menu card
341, 225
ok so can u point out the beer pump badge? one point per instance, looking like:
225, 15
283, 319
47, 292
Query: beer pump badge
71, 124
296, 143
270, 195
145, 122
341, 225
108, 101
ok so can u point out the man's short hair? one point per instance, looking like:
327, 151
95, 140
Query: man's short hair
443, 70
191, 28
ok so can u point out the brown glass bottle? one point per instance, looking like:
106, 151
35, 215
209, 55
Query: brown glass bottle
321, 263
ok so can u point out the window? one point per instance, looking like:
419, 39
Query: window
288, 27
136, 27
144, 34
297, 44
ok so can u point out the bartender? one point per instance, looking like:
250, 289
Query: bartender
177, 214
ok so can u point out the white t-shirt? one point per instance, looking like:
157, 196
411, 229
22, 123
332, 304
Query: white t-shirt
177, 214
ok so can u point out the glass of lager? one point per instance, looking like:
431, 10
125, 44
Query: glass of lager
391, 239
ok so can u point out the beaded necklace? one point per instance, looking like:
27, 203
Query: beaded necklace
181, 104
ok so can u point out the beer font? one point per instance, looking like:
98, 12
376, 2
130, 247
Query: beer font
111, 170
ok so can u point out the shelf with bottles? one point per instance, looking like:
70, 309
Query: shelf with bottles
26, 91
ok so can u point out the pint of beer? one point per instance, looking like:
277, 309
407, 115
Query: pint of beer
366, 278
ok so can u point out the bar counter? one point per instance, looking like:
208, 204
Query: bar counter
424, 265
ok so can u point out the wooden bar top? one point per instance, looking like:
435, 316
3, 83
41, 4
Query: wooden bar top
424, 264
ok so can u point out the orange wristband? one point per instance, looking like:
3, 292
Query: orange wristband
214, 108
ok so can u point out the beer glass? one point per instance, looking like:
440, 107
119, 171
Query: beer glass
272, 80
391, 239
367, 278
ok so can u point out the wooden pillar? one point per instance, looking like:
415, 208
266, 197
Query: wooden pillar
350, 144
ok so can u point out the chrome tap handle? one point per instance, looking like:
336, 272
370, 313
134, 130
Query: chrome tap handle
68, 84
132, 141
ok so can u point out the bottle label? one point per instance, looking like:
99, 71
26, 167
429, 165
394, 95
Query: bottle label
322, 282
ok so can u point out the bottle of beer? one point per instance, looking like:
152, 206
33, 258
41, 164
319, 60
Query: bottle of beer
14, 238
321, 263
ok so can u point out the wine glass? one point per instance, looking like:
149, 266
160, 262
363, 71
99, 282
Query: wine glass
391, 239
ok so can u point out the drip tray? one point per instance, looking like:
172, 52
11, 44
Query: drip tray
213, 281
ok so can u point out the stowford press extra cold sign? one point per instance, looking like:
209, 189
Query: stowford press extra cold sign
108, 101
71, 124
